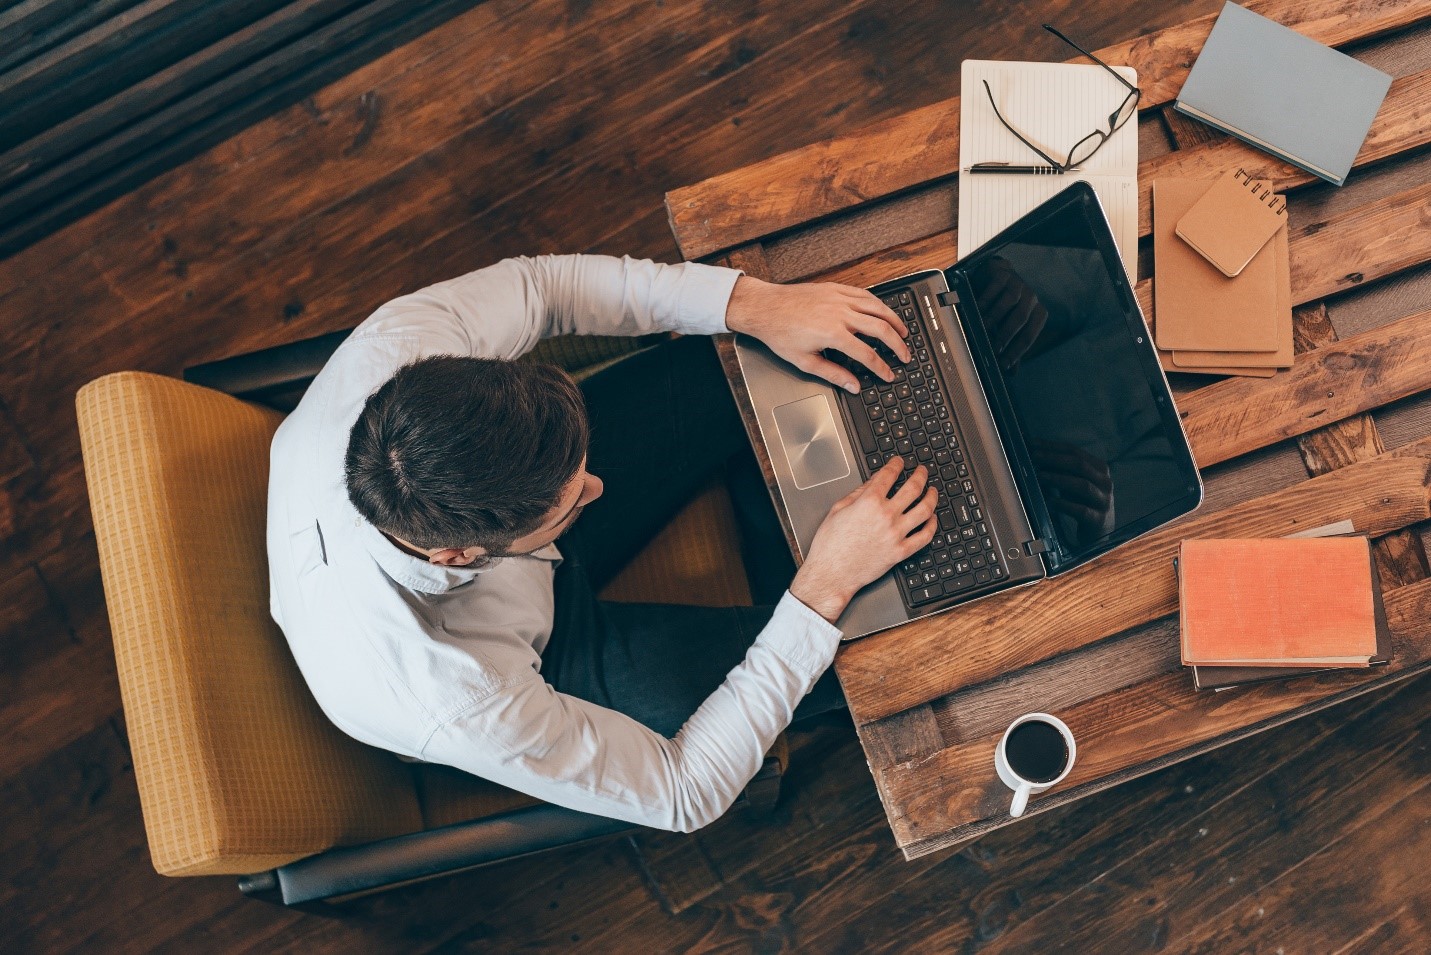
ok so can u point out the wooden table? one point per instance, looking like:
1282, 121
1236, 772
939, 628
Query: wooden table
1098, 647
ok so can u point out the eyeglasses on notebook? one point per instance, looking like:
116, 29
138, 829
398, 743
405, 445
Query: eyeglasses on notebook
1085, 148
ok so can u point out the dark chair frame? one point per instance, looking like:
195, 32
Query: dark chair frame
277, 377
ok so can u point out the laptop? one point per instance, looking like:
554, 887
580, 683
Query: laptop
1034, 398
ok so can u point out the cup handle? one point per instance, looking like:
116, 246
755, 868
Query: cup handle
1021, 800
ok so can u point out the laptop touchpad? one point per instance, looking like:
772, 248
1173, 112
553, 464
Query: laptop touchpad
811, 440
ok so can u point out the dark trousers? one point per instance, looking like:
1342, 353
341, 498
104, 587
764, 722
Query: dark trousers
663, 422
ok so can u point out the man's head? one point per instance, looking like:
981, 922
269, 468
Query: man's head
458, 458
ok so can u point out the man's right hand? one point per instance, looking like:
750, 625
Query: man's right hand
865, 534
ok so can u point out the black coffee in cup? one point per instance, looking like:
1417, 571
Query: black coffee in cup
1037, 751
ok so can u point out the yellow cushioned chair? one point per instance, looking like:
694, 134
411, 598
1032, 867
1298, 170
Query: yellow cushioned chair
238, 770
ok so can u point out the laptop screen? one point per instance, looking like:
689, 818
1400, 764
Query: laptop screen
1066, 353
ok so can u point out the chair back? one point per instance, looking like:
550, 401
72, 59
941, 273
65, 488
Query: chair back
238, 769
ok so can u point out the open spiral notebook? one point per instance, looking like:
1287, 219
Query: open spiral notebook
1054, 105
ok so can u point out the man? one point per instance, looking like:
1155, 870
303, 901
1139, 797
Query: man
418, 490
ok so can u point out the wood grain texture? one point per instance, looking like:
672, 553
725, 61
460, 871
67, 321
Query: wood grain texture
1131, 658
542, 126
1020, 881
1130, 732
1132, 585
1401, 556
912, 734
1335, 381
1361, 244
922, 145
1204, 873
156, 82
1402, 125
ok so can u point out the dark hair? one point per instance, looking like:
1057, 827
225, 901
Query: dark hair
466, 452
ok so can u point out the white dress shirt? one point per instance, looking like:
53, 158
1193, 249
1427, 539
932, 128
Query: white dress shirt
443, 664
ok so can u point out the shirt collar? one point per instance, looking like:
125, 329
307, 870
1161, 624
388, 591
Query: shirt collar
423, 575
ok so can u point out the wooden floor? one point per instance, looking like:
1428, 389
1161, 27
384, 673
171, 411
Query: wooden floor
544, 126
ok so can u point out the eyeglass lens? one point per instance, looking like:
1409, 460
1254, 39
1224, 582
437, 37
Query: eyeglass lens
1084, 149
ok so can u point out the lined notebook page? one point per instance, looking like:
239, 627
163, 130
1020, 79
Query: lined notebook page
1054, 105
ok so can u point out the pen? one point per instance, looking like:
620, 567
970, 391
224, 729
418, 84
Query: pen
1007, 169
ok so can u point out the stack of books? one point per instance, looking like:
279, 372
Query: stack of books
1222, 295
1252, 611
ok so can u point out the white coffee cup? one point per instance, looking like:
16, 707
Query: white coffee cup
1024, 788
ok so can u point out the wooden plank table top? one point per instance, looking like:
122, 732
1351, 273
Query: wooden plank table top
1098, 646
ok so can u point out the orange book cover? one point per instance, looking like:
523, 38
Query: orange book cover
1284, 602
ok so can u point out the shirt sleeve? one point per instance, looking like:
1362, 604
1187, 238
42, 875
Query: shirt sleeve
502, 311
573, 753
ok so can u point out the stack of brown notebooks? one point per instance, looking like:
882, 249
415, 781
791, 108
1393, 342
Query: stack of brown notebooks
1258, 610
1222, 297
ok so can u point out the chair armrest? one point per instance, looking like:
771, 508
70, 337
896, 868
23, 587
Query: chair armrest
343, 873
354, 870
276, 377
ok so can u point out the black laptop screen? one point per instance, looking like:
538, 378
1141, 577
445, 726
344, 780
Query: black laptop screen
1100, 434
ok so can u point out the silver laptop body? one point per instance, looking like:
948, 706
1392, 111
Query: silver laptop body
817, 449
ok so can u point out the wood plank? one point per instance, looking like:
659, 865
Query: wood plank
825, 775
1402, 126
1132, 585
1371, 241
1273, 829
905, 736
1335, 896
1110, 880
1066, 681
1235, 416
350, 258
922, 145
313, 156
491, 154
117, 51
1131, 732
159, 141
57, 670
179, 81
1401, 556
33, 26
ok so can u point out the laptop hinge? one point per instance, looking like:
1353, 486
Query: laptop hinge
1038, 545
949, 299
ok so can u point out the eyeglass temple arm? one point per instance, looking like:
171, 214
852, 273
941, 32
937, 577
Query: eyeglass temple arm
1042, 155
1054, 30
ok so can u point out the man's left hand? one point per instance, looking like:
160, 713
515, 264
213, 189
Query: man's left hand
798, 322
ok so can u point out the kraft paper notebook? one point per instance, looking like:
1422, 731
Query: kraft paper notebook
1199, 308
1232, 221
1165, 359
1280, 602
1242, 362
1054, 105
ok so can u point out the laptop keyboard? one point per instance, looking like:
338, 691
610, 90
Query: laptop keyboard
911, 418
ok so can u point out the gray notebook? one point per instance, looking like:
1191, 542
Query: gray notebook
1283, 92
